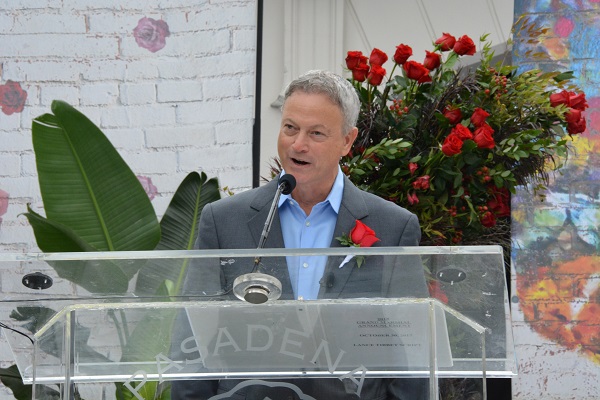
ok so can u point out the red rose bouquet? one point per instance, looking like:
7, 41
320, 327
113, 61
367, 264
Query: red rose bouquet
450, 143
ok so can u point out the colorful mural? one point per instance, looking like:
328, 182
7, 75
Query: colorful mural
556, 262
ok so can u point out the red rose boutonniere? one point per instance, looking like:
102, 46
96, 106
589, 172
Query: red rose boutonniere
360, 236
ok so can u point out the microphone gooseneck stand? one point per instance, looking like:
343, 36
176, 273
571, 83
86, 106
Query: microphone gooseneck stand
256, 287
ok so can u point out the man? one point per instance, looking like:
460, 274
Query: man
318, 126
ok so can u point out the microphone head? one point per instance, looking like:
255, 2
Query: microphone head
289, 183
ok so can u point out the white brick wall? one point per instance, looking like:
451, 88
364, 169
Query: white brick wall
186, 107
216, 89
97, 94
184, 90
68, 93
49, 21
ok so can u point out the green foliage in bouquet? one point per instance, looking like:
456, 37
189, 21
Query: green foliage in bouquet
451, 143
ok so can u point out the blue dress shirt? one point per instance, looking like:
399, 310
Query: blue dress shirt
312, 231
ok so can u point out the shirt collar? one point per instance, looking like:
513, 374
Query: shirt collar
335, 195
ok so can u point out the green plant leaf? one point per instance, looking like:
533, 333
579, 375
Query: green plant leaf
152, 333
179, 228
11, 378
87, 186
150, 390
151, 337
179, 225
34, 318
54, 237
564, 76
469, 145
106, 277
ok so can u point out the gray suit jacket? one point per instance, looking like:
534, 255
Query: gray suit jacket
238, 221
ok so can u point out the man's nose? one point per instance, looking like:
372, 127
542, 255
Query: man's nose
300, 142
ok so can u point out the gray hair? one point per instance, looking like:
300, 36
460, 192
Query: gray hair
337, 89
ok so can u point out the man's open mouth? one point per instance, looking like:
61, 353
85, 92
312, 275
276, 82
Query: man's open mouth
299, 162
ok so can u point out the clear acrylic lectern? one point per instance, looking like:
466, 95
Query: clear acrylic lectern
98, 323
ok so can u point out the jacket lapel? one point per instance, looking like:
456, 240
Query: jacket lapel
261, 205
353, 207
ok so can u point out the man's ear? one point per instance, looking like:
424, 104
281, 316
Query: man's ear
349, 140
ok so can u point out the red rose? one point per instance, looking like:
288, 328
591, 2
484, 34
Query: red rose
575, 121
557, 99
362, 235
572, 115
479, 116
432, 60
421, 182
446, 42
403, 52
577, 101
483, 137
360, 72
424, 79
376, 75
462, 132
576, 127
412, 199
412, 167
415, 70
354, 59
378, 57
500, 209
452, 145
436, 291
500, 202
12, 97
464, 46
453, 114
488, 219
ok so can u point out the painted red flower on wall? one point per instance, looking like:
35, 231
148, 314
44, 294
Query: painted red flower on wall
3, 203
150, 34
148, 186
12, 97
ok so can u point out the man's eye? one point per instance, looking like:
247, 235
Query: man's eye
289, 129
318, 135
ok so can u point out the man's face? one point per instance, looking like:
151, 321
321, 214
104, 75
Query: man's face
311, 141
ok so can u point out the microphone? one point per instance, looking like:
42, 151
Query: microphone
329, 281
285, 185
258, 288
